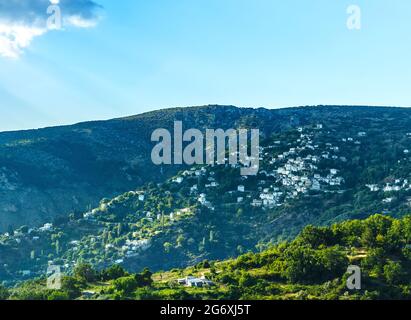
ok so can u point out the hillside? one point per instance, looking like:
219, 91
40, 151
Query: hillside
318, 173
48, 173
313, 266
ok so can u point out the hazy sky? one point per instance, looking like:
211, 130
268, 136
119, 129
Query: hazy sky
117, 58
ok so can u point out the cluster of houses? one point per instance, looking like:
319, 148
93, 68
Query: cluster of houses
204, 202
171, 217
31, 233
132, 247
395, 186
297, 175
90, 215
289, 174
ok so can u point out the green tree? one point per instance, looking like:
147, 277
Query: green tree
246, 280
85, 272
58, 295
57, 244
167, 247
10, 230
180, 240
72, 286
4, 293
144, 279
374, 261
376, 228
393, 273
126, 285
316, 236
114, 272
307, 265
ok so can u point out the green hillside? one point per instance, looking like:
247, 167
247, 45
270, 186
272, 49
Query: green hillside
312, 174
313, 266
47, 173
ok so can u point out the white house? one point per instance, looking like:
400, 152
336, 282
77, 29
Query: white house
178, 180
373, 187
333, 171
257, 203
191, 281
388, 200
46, 227
202, 198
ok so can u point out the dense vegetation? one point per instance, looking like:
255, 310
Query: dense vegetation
45, 174
313, 266
164, 225
318, 166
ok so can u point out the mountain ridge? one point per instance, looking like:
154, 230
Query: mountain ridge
317, 170
193, 108
46, 173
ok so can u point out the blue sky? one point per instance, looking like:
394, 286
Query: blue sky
138, 56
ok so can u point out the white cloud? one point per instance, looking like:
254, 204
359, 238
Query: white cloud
13, 38
78, 21
23, 20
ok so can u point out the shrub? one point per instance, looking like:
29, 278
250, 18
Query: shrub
393, 273
4, 293
126, 285
85, 272
112, 273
